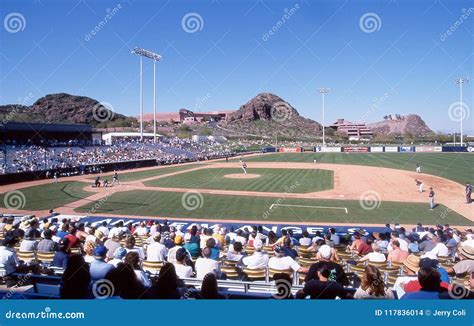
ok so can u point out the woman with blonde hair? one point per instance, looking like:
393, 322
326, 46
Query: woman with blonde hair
89, 248
373, 285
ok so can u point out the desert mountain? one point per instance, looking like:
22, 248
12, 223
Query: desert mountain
268, 115
399, 125
61, 108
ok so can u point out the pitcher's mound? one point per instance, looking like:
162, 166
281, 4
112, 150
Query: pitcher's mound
242, 176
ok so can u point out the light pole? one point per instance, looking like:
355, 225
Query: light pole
324, 91
155, 57
461, 81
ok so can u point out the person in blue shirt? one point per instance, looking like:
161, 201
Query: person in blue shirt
62, 255
430, 281
99, 268
211, 244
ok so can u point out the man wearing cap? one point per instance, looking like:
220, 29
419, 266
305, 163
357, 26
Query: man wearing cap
336, 272
258, 259
182, 270
468, 193
283, 263
466, 263
156, 251
431, 197
29, 243
112, 244
99, 268
191, 247
47, 244
414, 285
118, 256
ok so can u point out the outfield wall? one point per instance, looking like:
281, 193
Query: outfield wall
374, 149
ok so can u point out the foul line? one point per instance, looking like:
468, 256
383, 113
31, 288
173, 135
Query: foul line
306, 206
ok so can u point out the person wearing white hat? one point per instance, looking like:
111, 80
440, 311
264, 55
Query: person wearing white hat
258, 259
466, 263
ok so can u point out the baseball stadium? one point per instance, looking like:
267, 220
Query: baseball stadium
217, 188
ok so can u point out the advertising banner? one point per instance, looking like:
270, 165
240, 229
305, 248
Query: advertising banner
327, 149
391, 149
422, 149
355, 149
376, 149
290, 150
455, 149
406, 149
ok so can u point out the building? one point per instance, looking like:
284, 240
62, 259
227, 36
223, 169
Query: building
355, 131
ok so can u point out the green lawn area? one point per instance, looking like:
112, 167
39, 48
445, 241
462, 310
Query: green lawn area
458, 167
270, 180
50, 195
171, 204
133, 176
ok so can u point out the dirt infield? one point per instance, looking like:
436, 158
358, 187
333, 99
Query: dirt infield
351, 182
242, 176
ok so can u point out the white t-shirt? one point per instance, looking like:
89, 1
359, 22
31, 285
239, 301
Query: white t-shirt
204, 266
305, 241
241, 239
183, 270
283, 263
256, 261
115, 262
156, 252
376, 257
439, 250
105, 230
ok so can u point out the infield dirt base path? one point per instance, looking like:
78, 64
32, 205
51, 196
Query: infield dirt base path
351, 182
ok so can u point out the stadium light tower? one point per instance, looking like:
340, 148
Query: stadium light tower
324, 91
155, 57
461, 81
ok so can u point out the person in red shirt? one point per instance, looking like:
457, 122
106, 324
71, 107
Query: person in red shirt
73, 240
414, 285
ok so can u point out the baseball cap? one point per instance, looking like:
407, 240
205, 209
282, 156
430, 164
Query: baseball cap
325, 251
178, 239
279, 249
120, 252
100, 251
428, 263
181, 253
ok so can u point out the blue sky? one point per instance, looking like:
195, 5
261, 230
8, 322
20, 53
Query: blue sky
402, 63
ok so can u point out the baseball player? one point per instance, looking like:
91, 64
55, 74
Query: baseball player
431, 197
97, 182
420, 185
244, 166
468, 193
56, 177
418, 168
115, 179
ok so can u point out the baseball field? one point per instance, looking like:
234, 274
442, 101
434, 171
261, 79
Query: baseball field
368, 189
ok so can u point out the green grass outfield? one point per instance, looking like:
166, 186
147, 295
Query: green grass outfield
46, 196
133, 176
270, 180
171, 204
458, 167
